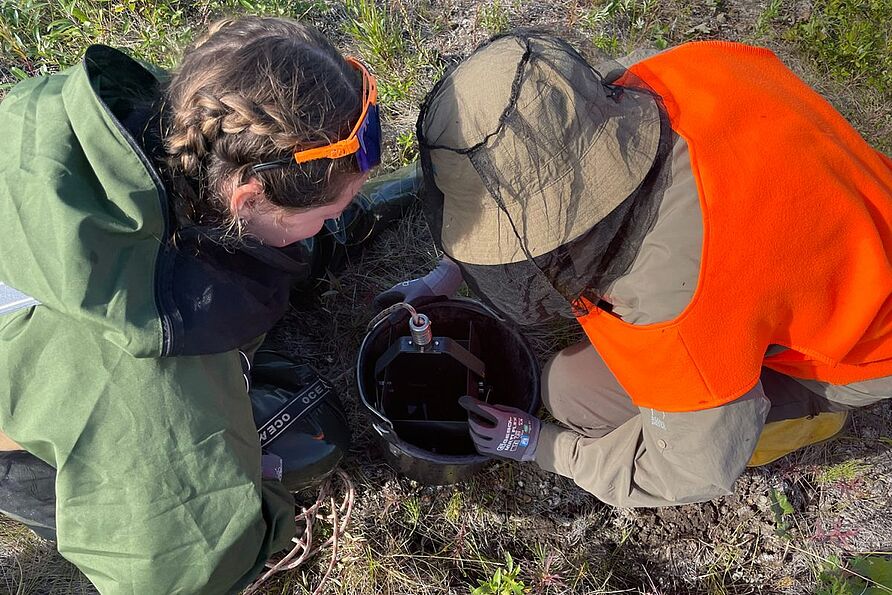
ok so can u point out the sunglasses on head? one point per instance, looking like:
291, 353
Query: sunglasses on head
364, 140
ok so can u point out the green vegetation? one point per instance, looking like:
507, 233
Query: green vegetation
407, 147
850, 39
783, 512
504, 581
394, 89
841, 472
771, 12
400, 60
493, 17
619, 26
412, 510
454, 507
861, 575
44, 36
377, 33
39, 36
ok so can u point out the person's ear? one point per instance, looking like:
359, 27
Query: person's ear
244, 198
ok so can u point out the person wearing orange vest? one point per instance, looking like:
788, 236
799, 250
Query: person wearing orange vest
722, 235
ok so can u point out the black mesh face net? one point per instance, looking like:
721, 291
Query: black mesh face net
520, 160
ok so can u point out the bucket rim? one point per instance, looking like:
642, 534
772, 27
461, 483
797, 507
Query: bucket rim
357, 369
383, 426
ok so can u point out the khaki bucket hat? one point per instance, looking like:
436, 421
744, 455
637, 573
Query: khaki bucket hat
531, 149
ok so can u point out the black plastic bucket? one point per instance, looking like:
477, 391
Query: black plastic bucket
413, 400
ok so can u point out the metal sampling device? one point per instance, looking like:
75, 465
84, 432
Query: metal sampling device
414, 366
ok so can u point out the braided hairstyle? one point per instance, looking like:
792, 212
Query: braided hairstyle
253, 90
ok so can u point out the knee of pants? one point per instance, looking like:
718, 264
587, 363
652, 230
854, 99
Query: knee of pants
580, 391
546, 392
557, 395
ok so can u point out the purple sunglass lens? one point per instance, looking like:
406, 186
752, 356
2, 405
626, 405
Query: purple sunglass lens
369, 154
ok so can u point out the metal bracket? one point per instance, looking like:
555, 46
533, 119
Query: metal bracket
439, 346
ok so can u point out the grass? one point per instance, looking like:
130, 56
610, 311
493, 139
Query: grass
767, 17
407, 538
376, 31
29, 565
453, 510
841, 472
403, 64
620, 26
851, 40
42, 36
493, 17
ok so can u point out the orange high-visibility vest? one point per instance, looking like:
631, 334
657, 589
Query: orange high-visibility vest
797, 221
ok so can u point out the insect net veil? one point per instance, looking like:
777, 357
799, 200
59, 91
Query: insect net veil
545, 238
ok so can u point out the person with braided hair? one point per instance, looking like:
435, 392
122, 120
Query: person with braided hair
153, 227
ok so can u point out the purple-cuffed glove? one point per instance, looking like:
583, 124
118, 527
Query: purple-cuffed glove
501, 431
443, 280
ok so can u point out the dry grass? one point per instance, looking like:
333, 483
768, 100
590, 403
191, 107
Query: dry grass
411, 539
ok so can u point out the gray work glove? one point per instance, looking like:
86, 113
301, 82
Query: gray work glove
442, 281
502, 431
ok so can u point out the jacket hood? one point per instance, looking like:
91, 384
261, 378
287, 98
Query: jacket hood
86, 227
81, 215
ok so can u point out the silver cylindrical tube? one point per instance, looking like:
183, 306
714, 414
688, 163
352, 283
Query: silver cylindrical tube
420, 329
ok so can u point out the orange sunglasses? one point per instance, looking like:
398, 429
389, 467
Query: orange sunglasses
364, 140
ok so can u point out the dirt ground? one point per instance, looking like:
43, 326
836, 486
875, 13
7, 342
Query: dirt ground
410, 539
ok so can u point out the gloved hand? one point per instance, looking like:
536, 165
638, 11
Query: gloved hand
271, 467
501, 431
443, 280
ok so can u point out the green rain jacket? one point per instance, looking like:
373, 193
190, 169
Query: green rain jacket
158, 481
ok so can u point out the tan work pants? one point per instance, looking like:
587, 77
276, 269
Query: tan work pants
582, 393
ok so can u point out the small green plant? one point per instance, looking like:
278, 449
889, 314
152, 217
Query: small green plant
455, 505
633, 13
841, 472
659, 36
783, 511
412, 510
608, 44
851, 39
296, 9
861, 575
493, 17
504, 581
830, 579
394, 88
407, 147
548, 572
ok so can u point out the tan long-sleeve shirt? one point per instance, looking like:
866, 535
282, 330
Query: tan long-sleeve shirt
631, 456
